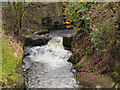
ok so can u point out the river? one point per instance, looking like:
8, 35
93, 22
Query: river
47, 65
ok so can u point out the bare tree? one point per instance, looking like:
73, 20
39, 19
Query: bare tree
18, 11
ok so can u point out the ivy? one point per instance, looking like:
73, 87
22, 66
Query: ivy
77, 13
103, 32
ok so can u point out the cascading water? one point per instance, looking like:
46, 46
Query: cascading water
47, 65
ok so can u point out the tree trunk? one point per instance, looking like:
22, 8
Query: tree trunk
18, 13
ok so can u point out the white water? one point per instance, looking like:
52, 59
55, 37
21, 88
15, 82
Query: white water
47, 66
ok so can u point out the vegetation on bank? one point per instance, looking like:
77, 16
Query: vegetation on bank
11, 57
18, 20
96, 46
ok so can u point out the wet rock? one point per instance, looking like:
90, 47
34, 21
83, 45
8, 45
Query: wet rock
44, 32
67, 40
27, 51
72, 60
36, 42
20, 83
26, 63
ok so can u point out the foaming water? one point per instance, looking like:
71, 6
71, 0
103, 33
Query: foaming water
47, 66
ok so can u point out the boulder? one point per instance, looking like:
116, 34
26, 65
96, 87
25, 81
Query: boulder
43, 32
36, 42
67, 40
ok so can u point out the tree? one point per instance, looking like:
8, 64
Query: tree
18, 10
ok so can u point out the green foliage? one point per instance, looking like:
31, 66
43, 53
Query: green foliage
76, 12
103, 29
89, 51
98, 42
103, 34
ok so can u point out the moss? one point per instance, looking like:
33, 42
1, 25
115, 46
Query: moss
39, 32
26, 32
9, 63
83, 81
81, 62
116, 75
101, 82
43, 31
71, 60
93, 80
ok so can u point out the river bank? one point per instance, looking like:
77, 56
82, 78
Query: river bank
12, 54
95, 47
52, 56
85, 78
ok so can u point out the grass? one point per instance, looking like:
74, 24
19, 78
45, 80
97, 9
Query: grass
9, 63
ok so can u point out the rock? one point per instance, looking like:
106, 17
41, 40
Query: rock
26, 63
72, 60
67, 40
43, 32
27, 51
20, 83
30, 41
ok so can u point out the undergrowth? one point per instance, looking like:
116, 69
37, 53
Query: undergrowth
9, 62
